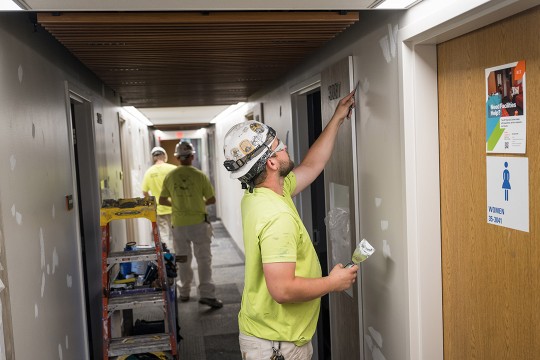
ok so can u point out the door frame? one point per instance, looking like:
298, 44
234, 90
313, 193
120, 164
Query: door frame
297, 149
417, 54
90, 209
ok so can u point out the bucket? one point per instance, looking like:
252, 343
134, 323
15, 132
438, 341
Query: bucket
126, 268
139, 267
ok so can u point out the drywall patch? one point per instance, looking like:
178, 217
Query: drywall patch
69, 281
53, 211
67, 342
386, 249
20, 73
42, 284
33, 131
376, 336
60, 356
55, 260
378, 202
384, 225
392, 38
388, 43
42, 246
369, 342
363, 113
36, 311
375, 348
385, 47
12, 162
377, 354
17, 215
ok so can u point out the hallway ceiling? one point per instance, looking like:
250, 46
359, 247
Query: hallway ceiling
177, 59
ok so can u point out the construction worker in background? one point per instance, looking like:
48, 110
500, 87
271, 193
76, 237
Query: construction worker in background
188, 191
151, 186
283, 277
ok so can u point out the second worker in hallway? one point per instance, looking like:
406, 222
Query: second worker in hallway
151, 186
283, 282
188, 191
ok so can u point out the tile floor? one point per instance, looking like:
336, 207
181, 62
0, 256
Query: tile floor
211, 334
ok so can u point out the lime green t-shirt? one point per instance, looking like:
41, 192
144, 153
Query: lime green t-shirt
188, 188
274, 232
153, 181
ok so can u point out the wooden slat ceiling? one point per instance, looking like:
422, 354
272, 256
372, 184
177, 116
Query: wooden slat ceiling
168, 59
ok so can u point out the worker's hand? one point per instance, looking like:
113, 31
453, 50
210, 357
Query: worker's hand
343, 278
345, 106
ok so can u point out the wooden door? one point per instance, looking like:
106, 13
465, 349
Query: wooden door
341, 209
490, 274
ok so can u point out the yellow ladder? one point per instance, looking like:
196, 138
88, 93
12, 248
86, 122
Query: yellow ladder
161, 296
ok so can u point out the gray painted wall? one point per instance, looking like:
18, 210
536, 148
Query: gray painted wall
401, 283
380, 169
40, 236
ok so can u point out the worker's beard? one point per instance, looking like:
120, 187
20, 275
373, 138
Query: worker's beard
285, 167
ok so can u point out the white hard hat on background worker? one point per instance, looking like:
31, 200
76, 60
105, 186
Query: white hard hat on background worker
157, 150
183, 149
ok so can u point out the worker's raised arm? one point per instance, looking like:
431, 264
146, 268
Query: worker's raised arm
319, 153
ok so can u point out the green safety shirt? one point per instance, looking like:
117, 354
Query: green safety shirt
188, 188
274, 232
153, 181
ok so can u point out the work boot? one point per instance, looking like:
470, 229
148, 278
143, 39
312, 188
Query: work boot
212, 302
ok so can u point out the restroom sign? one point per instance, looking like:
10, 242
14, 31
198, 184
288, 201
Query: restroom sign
508, 192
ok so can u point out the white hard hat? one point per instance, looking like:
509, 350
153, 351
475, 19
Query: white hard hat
247, 146
156, 150
183, 149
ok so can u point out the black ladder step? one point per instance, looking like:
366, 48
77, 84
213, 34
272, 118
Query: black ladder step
132, 301
132, 255
139, 344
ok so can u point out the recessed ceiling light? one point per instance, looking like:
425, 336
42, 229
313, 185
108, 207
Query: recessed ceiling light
9, 5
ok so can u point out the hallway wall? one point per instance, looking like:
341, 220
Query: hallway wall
401, 314
39, 237
379, 157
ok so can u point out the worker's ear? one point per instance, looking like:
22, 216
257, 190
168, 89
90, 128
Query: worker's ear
272, 163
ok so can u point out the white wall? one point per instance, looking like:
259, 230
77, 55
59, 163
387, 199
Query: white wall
40, 236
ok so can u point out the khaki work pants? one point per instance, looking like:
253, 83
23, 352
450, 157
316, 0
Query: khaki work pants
253, 348
165, 230
200, 235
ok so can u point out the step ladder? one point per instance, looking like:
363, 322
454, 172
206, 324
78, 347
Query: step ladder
161, 295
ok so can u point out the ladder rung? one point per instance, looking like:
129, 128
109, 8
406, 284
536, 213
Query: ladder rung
130, 301
139, 344
132, 255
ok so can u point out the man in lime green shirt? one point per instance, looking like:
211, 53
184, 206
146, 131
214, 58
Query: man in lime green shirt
190, 191
283, 283
151, 186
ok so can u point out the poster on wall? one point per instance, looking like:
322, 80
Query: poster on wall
508, 192
505, 109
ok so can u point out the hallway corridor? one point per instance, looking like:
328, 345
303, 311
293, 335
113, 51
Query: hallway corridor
210, 334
